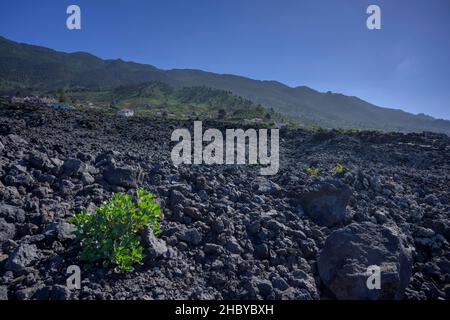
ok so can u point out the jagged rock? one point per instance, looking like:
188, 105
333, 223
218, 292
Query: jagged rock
265, 186
212, 248
155, 247
3, 293
63, 231
126, 177
40, 161
265, 287
192, 212
72, 167
191, 235
22, 257
87, 178
17, 140
349, 251
176, 198
7, 230
11, 213
19, 180
59, 292
326, 202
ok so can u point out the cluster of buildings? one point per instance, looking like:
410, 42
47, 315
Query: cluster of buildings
48, 101
125, 113
43, 101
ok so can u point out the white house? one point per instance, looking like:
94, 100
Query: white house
125, 113
280, 125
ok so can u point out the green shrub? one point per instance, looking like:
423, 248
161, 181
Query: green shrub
337, 169
112, 233
312, 171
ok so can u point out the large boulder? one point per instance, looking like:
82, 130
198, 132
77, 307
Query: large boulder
72, 167
325, 202
348, 253
126, 177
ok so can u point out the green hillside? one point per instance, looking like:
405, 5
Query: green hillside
25, 67
158, 99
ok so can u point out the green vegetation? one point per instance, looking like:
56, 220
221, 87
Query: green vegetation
312, 171
27, 68
112, 233
337, 169
157, 99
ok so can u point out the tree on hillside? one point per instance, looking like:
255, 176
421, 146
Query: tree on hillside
222, 114
61, 96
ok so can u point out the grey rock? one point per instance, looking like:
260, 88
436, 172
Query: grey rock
192, 212
212, 248
19, 180
326, 202
279, 283
17, 140
87, 178
265, 186
261, 251
375, 183
126, 177
349, 251
191, 235
3, 293
203, 195
176, 198
233, 246
26, 293
265, 287
40, 161
7, 230
72, 167
155, 247
59, 292
63, 231
11, 213
22, 257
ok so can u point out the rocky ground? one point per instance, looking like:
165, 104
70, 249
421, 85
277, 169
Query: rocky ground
228, 233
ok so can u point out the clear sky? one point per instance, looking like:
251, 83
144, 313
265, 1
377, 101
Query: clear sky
321, 44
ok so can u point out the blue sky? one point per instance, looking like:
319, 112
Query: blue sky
321, 44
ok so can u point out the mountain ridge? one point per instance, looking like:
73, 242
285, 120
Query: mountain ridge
24, 65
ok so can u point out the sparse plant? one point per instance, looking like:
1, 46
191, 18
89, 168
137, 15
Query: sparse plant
111, 234
339, 168
312, 171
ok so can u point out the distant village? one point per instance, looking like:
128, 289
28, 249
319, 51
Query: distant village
54, 103
60, 104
